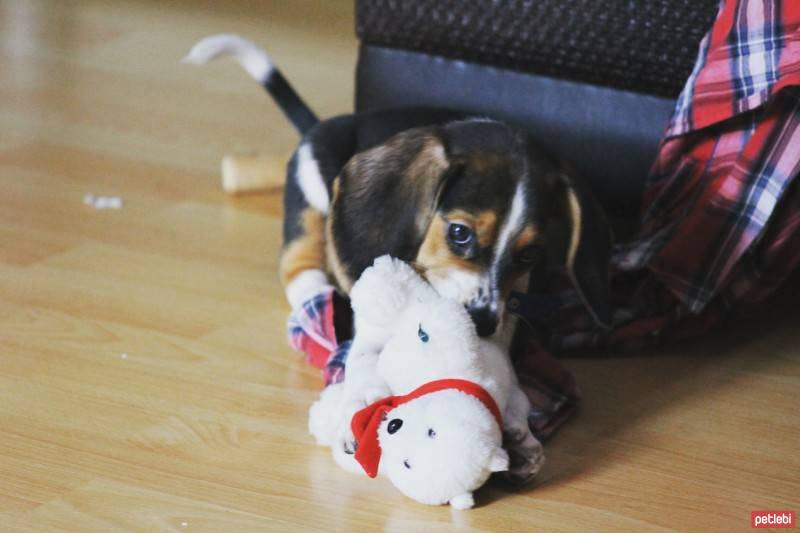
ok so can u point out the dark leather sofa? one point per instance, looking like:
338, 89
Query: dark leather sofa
594, 80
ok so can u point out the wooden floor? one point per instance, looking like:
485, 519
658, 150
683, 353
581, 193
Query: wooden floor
145, 380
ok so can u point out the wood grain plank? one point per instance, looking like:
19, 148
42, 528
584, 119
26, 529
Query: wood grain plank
145, 379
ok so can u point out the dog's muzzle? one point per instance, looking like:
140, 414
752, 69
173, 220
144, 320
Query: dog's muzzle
485, 320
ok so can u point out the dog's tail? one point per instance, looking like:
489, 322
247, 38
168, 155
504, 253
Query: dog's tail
258, 64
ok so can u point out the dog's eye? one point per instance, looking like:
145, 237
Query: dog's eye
459, 234
405, 464
422, 335
528, 255
431, 433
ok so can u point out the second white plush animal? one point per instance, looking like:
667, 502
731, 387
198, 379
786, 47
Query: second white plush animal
432, 399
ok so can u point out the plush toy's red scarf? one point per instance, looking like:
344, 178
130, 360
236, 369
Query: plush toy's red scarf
365, 422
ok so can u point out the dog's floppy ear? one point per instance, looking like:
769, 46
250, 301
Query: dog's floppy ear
396, 187
589, 241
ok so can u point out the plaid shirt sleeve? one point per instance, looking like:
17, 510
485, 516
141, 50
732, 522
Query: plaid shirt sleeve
731, 151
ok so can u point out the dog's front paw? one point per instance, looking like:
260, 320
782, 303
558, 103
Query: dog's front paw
344, 449
345, 441
349, 445
526, 456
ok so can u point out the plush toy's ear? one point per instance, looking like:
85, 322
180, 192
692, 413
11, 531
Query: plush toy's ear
377, 296
385, 290
499, 461
588, 245
463, 501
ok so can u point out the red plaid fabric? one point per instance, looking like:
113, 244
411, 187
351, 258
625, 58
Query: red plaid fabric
312, 331
721, 206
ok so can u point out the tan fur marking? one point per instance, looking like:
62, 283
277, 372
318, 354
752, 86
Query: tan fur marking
577, 221
430, 161
510, 283
333, 262
484, 224
434, 253
425, 170
486, 227
486, 161
527, 236
308, 251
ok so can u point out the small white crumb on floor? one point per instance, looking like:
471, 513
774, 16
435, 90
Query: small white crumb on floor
123, 356
184, 524
103, 202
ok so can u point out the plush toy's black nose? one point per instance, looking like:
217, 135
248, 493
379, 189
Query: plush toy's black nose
394, 425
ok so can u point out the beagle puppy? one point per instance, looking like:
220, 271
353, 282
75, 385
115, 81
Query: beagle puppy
470, 202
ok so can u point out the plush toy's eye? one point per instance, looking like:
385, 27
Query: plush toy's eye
431, 433
405, 464
422, 335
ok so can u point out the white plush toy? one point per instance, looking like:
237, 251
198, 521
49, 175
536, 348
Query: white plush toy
425, 401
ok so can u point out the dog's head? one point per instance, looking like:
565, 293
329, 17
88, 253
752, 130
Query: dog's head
469, 203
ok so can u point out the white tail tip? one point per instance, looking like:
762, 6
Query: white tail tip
252, 58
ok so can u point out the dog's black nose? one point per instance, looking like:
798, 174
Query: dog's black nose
485, 321
394, 425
